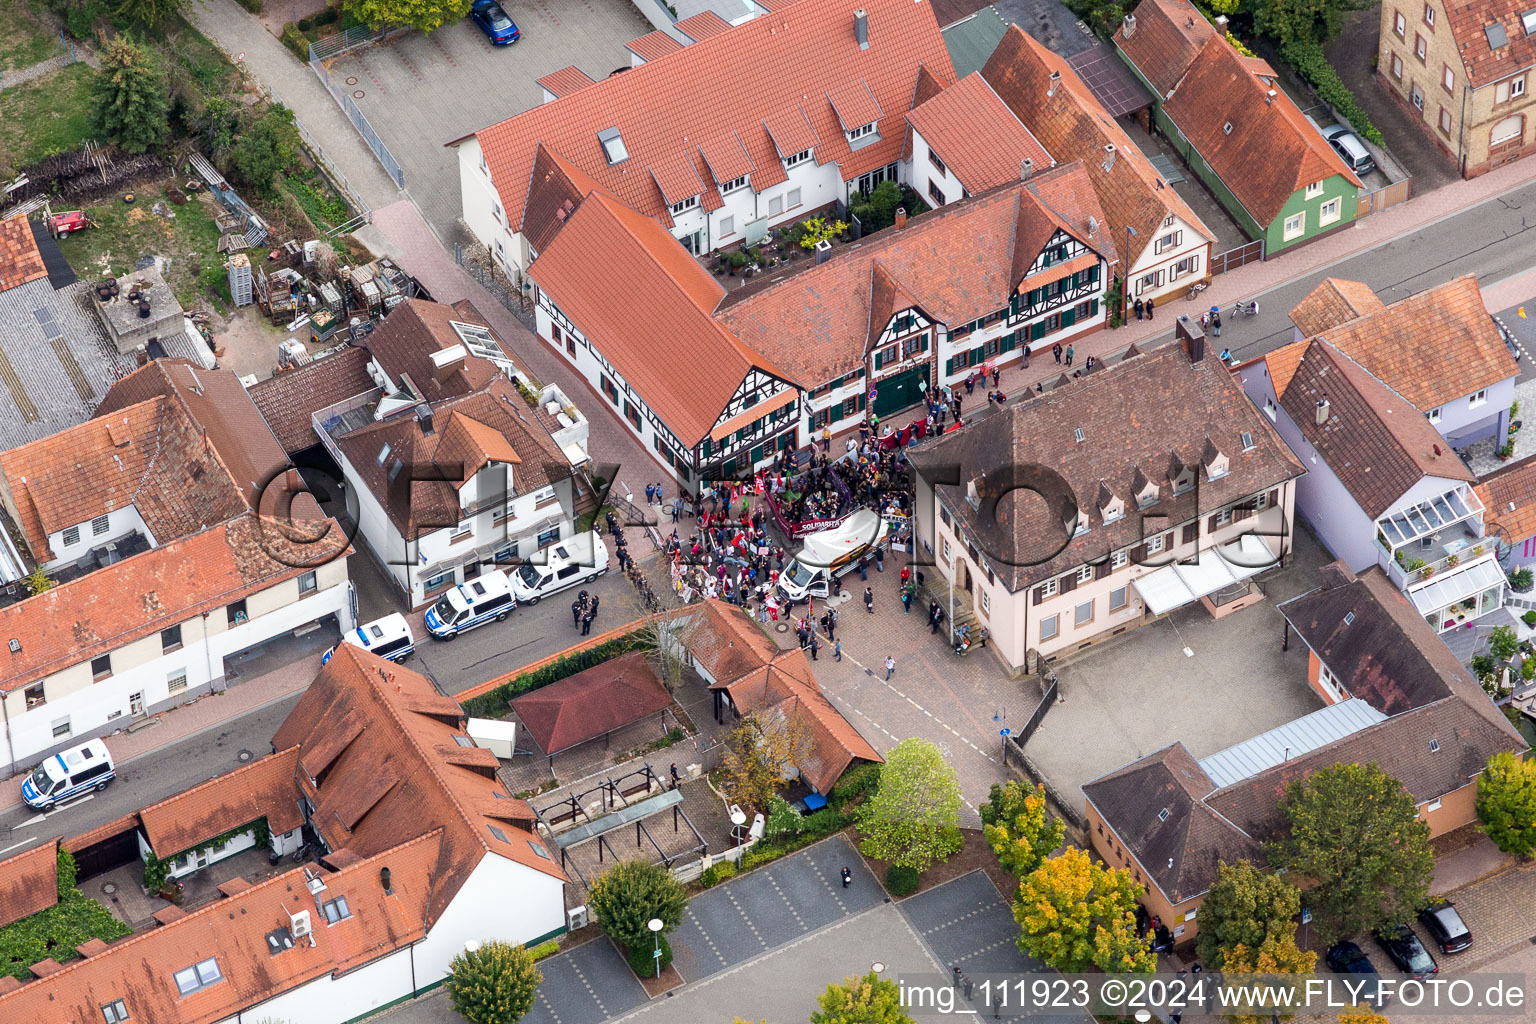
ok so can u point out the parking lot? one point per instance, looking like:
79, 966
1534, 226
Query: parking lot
419, 91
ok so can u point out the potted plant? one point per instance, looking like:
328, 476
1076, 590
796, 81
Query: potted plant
1506, 452
1426, 571
1452, 560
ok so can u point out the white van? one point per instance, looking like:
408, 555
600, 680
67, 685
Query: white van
572, 561
831, 553
389, 637
473, 603
84, 769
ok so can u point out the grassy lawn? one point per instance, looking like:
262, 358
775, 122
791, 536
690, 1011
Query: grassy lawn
46, 115
26, 40
126, 232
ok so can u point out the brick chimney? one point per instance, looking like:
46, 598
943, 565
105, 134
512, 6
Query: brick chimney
901, 217
1191, 336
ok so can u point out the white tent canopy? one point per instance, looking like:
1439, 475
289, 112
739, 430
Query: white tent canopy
1174, 586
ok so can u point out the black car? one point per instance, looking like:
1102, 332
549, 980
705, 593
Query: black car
1405, 950
1446, 927
1348, 958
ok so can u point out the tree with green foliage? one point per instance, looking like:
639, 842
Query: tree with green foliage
424, 15
144, 14
492, 984
39, 582
1245, 907
67, 872
1502, 643
870, 999
1303, 21
626, 897
1506, 803
266, 149
1019, 827
130, 105
1076, 914
1356, 833
913, 819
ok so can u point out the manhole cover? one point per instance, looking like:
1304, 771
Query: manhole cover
782, 627
358, 94
351, 81
243, 756
109, 888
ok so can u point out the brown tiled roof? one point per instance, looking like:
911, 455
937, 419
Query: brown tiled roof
554, 188
732, 81
1182, 849
145, 593
653, 46
1334, 302
1272, 149
289, 401
152, 456
1374, 440
413, 331
592, 703
492, 424
1073, 125
20, 261
977, 136
956, 263
262, 789
1469, 352
29, 882
566, 81
1515, 485
220, 406
635, 293
140, 970
1483, 63
1170, 407
400, 746
703, 25
1168, 38
724, 644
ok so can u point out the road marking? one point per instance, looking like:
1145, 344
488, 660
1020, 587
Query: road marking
590, 990
24, 842
775, 883
708, 941
746, 917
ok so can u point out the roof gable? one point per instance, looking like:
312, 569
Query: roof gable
20, 261
1333, 302
977, 136
1167, 38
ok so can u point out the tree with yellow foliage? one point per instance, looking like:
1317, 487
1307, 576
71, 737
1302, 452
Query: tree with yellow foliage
1019, 828
1278, 955
870, 999
1076, 914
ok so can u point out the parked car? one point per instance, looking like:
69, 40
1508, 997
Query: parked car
1348, 958
1446, 927
389, 637
1405, 950
1348, 145
79, 770
574, 560
471, 604
493, 21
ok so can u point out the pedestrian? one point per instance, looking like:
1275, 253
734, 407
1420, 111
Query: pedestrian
677, 509
586, 623
869, 600
863, 568
675, 778
826, 440
658, 492
1216, 322
970, 382
576, 609
906, 574
996, 373
1026, 364
1149, 309
957, 976
1226, 356
815, 646
879, 559
890, 666
957, 408
1056, 351
906, 602
1139, 307
650, 494
847, 878
837, 650
1069, 355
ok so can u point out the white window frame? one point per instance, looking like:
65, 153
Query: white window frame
791, 199
986, 602
1261, 501
1330, 211
944, 549
1085, 574
1223, 517
685, 205
1517, 87
1048, 589
1429, 15
734, 184
1448, 79
308, 583
1300, 229
1053, 623
1433, 415
1155, 544
1431, 806
1479, 397
1119, 560
795, 159
727, 226
203, 973
1314, 190
1078, 619
1400, 24
862, 131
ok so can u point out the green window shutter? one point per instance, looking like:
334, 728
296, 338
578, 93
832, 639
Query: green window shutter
1093, 273
1037, 330
1035, 295
879, 360
978, 354
1069, 316
1010, 341
949, 366
861, 403
1093, 307
757, 454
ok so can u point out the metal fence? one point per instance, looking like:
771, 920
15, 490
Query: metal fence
63, 54
330, 47
364, 212
1253, 252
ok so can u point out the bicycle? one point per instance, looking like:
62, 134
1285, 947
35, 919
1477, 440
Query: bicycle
1245, 309
1195, 289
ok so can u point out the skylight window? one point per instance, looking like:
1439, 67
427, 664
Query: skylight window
1247, 438
200, 975
336, 910
1497, 37
383, 454
613, 146
1226, 129
498, 833
1528, 21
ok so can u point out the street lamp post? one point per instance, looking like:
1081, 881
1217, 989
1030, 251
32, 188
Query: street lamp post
656, 924
1125, 276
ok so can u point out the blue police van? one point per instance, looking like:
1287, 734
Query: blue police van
75, 772
389, 637
486, 598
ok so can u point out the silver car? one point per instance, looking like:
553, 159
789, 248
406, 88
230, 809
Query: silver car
1348, 145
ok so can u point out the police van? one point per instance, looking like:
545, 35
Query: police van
75, 772
487, 597
572, 561
389, 637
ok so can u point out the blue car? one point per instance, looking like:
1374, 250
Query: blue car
493, 21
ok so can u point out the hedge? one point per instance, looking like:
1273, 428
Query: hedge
642, 958
295, 41
1311, 63
856, 782
545, 949
493, 702
900, 881
254, 6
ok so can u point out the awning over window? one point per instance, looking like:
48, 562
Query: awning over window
1174, 586
1447, 588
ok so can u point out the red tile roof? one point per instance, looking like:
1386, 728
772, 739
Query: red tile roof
653, 46
726, 157
1334, 302
265, 788
678, 177
566, 81
977, 136
593, 703
1271, 151
20, 262
1514, 484
790, 130
956, 264
1483, 62
1073, 125
731, 82
140, 970
854, 105
29, 882
416, 329
289, 400
703, 25
143, 594
406, 726
636, 293
554, 189
1168, 38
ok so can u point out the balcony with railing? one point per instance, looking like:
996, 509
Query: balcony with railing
341, 418
1414, 543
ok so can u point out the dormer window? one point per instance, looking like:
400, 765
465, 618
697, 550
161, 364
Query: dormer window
613, 146
863, 131
1111, 508
797, 158
972, 495
1215, 461
1145, 490
734, 184
1181, 476
685, 205
1082, 525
